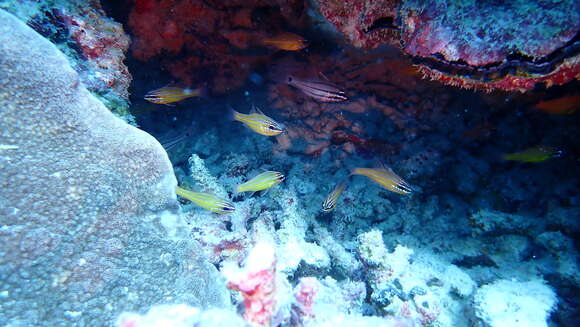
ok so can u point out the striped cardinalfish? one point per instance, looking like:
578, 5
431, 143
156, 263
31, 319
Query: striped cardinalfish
258, 122
171, 94
261, 182
207, 201
320, 90
330, 202
286, 41
385, 177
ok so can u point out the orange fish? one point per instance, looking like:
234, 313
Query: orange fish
560, 106
170, 94
286, 41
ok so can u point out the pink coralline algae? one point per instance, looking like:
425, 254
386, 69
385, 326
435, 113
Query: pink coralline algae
257, 284
483, 45
305, 293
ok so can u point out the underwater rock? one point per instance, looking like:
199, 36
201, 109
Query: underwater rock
87, 202
485, 45
94, 44
507, 303
497, 223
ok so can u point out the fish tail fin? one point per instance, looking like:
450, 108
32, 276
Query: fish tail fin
233, 115
238, 189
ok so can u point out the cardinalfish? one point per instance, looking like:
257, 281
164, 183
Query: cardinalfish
330, 202
286, 41
171, 94
207, 201
258, 122
385, 177
538, 153
261, 182
322, 91
561, 106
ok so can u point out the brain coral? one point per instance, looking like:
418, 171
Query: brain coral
86, 201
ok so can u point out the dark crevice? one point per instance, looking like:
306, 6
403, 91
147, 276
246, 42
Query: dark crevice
382, 23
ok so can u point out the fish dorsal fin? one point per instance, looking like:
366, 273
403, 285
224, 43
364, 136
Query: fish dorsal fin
323, 76
258, 111
380, 164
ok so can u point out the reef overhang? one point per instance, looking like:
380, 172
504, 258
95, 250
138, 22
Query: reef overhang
484, 45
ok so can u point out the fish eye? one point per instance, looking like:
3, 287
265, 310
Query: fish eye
289, 79
272, 127
227, 209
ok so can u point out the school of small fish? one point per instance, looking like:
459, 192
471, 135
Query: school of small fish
323, 90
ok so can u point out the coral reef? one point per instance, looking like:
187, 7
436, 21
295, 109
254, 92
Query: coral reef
93, 227
511, 303
88, 214
94, 44
470, 44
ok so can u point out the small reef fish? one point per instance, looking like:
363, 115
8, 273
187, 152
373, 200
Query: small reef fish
385, 177
318, 89
261, 182
286, 41
258, 122
207, 201
330, 202
171, 94
536, 153
560, 106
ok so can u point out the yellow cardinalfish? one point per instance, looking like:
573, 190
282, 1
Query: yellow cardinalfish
330, 202
171, 94
536, 153
207, 201
286, 41
261, 182
385, 177
258, 122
